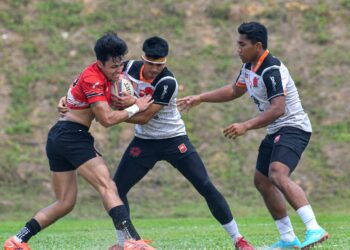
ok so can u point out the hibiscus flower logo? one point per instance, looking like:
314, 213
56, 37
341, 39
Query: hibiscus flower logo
146, 91
135, 151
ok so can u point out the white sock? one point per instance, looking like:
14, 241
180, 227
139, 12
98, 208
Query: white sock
285, 228
308, 217
120, 237
232, 230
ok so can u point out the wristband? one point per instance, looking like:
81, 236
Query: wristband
132, 110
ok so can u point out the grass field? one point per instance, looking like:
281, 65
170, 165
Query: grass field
181, 234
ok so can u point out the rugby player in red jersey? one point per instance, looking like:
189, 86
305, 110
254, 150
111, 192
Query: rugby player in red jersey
70, 146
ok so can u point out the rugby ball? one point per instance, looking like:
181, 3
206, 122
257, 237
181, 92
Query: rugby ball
122, 85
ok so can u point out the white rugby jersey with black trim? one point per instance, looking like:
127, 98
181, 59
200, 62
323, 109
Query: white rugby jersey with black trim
271, 78
166, 123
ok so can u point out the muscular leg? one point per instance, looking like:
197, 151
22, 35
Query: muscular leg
96, 173
273, 198
65, 188
275, 203
279, 176
193, 169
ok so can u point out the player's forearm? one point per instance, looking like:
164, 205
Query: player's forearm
140, 118
107, 117
264, 119
223, 94
114, 118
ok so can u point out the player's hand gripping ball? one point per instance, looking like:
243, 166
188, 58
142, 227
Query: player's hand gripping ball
122, 85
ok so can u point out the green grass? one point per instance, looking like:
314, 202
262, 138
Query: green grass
189, 233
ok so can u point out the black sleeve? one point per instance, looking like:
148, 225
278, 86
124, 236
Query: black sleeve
164, 91
125, 64
273, 82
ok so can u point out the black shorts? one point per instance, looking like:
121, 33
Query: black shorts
68, 146
147, 152
285, 146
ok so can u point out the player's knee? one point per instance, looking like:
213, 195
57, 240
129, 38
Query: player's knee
67, 205
276, 178
261, 183
106, 186
207, 188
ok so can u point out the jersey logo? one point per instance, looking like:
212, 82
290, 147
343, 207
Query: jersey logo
277, 139
95, 84
182, 147
165, 90
146, 91
274, 84
255, 82
135, 151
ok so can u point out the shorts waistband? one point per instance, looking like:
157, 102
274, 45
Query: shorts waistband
289, 128
162, 139
72, 125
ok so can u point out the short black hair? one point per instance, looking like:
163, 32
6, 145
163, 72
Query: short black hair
155, 47
255, 32
110, 45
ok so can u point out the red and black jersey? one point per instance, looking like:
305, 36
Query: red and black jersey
90, 87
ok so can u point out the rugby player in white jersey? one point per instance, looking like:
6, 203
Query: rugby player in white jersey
268, 83
160, 134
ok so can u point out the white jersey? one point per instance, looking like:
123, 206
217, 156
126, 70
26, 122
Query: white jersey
269, 80
166, 123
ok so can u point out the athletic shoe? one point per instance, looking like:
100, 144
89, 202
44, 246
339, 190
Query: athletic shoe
313, 237
242, 244
119, 247
286, 244
12, 244
137, 245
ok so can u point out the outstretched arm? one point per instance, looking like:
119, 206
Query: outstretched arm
223, 94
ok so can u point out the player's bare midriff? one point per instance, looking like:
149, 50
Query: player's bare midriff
81, 116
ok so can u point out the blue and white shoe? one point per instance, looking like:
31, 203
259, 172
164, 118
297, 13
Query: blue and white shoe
313, 237
286, 244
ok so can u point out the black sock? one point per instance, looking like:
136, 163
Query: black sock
31, 228
122, 222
